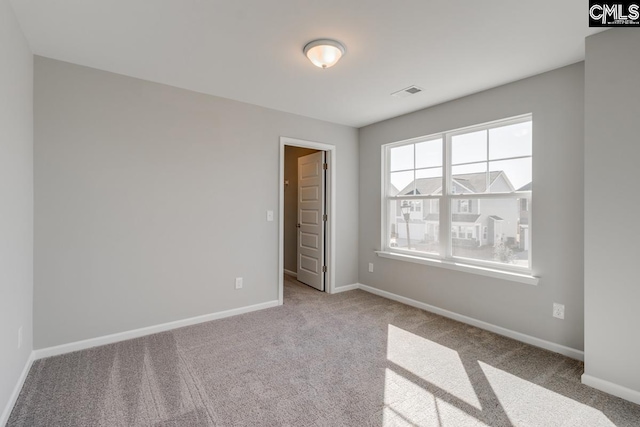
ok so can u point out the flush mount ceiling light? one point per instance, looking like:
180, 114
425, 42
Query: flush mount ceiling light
324, 53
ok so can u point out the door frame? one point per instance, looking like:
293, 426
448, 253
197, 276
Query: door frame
330, 200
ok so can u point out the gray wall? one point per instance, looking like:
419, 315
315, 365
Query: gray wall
152, 199
612, 204
291, 155
556, 100
16, 200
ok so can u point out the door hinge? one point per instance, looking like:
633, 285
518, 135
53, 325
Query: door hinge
324, 268
324, 217
325, 166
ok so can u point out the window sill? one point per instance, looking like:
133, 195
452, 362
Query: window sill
467, 268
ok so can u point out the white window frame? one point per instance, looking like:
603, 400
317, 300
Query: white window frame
446, 258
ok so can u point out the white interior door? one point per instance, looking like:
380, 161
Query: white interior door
311, 221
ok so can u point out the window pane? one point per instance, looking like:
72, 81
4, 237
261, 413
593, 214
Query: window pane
469, 147
429, 153
469, 179
510, 175
510, 141
401, 183
495, 230
463, 206
429, 181
416, 227
401, 157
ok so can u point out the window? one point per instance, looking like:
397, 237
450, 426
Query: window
475, 184
464, 206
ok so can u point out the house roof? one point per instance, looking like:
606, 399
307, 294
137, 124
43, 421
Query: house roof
423, 186
526, 187
457, 217
473, 182
476, 182
464, 217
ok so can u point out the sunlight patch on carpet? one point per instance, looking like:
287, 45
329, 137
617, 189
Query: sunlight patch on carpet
524, 401
431, 362
408, 404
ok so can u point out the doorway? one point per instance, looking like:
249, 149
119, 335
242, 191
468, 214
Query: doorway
304, 203
307, 208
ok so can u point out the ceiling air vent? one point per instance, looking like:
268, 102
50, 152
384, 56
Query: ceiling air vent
411, 90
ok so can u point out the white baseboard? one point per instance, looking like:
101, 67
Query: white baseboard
612, 388
4, 418
345, 288
290, 273
548, 345
136, 333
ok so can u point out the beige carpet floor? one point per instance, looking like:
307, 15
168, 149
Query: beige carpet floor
351, 359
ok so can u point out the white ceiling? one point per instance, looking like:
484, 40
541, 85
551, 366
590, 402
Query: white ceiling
251, 50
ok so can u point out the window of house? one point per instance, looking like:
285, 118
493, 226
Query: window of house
477, 178
464, 206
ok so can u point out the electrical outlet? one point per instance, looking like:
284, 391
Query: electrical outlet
269, 215
19, 337
370, 267
558, 310
238, 282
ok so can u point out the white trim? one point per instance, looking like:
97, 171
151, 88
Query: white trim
4, 418
136, 333
290, 273
345, 288
528, 339
612, 388
467, 268
331, 200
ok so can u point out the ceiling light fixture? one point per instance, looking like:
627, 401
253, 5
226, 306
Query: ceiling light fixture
324, 53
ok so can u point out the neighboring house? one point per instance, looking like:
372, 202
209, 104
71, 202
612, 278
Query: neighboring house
523, 225
474, 222
394, 212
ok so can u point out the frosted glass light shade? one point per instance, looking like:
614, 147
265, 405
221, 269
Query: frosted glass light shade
324, 53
